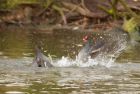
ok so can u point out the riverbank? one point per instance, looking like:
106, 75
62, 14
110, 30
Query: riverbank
85, 15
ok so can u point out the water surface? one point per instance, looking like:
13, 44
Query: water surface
19, 76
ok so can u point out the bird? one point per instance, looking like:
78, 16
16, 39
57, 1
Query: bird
90, 48
40, 59
108, 43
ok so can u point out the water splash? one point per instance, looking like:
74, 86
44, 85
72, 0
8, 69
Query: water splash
67, 62
103, 59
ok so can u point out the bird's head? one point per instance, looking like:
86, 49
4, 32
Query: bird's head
89, 38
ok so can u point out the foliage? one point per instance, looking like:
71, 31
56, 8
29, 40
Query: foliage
113, 10
57, 6
3, 4
132, 26
12, 3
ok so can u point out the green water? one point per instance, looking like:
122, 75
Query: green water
18, 76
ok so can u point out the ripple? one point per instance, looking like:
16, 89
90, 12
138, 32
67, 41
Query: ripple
17, 84
16, 92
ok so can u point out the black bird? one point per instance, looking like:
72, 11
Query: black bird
91, 48
40, 59
107, 43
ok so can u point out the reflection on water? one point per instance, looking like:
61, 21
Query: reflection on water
20, 43
19, 76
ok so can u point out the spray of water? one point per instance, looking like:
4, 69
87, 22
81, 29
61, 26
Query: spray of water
103, 59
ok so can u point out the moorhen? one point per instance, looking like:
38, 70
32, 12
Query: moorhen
91, 48
107, 43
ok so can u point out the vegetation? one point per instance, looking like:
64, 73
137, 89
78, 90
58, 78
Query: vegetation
76, 13
6, 4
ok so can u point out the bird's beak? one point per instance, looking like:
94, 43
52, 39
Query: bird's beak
85, 39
